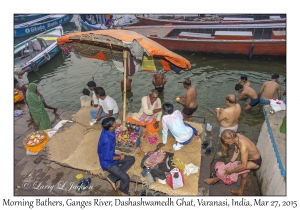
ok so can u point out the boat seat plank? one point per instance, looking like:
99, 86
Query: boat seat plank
274, 17
278, 35
237, 19
190, 35
233, 35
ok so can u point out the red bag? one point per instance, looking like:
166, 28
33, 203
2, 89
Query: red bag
175, 178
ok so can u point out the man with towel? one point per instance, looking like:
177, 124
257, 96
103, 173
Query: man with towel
149, 114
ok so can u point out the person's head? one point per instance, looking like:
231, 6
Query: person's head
111, 16
230, 98
228, 136
91, 85
86, 92
239, 88
100, 92
186, 82
153, 94
244, 77
109, 123
275, 76
168, 107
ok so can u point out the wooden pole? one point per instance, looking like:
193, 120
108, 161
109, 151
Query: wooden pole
125, 55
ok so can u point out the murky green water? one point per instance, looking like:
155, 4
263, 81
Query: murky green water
62, 79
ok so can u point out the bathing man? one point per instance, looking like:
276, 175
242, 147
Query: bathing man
188, 100
228, 118
250, 158
244, 80
249, 92
159, 80
268, 90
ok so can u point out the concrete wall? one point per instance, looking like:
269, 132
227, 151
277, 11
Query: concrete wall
269, 177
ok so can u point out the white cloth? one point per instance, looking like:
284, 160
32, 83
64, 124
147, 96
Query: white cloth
85, 100
109, 104
277, 105
190, 169
94, 98
234, 128
126, 18
23, 80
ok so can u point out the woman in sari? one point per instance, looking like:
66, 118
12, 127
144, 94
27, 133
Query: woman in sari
36, 108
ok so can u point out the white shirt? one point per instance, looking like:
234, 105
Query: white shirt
85, 100
23, 80
94, 97
109, 104
126, 18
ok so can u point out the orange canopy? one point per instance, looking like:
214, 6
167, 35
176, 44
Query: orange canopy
151, 46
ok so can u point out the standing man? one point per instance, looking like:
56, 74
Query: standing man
92, 85
248, 92
109, 22
128, 83
189, 100
108, 107
159, 80
116, 164
268, 90
244, 80
250, 158
228, 118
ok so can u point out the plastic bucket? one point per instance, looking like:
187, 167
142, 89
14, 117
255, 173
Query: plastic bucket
208, 127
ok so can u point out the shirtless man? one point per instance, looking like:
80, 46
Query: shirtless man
228, 118
128, 84
250, 158
244, 80
249, 92
189, 100
159, 80
268, 90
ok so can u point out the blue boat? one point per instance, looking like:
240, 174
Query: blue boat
41, 24
27, 17
37, 50
118, 21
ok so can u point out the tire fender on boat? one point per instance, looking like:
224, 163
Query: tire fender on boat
47, 56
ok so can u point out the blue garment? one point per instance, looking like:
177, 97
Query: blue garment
94, 114
106, 148
264, 101
254, 102
101, 19
194, 133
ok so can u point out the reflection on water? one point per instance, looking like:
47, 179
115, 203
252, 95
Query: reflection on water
62, 79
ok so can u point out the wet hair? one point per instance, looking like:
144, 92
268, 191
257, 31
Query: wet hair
238, 86
275, 76
168, 107
228, 134
85, 92
229, 99
91, 84
244, 76
187, 82
100, 91
153, 91
108, 122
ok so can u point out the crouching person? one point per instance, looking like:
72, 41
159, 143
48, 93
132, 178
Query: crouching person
116, 164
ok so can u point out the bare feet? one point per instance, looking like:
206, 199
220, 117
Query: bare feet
111, 183
211, 180
121, 193
235, 192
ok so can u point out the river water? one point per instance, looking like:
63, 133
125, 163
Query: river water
62, 79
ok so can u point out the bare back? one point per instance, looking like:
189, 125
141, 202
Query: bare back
190, 98
250, 92
159, 79
269, 89
249, 146
128, 83
230, 116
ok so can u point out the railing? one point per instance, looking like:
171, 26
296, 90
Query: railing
281, 167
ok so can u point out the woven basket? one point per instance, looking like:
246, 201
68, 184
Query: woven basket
27, 138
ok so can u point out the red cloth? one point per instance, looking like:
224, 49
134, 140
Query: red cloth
221, 168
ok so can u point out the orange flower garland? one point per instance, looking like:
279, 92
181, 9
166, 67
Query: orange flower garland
39, 147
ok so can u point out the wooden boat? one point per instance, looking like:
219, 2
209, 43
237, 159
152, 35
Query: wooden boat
27, 17
118, 22
41, 24
209, 20
37, 50
246, 39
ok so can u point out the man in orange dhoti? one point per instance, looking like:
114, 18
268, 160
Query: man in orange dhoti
149, 114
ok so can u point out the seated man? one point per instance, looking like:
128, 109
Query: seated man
116, 164
248, 92
86, 99
108, 107
250, 158
149, 114
92, 85
182, 132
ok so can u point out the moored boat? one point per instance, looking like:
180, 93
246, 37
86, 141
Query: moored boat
209, 19
37, 50
27, 17
118, 21
246, 39
41, 24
